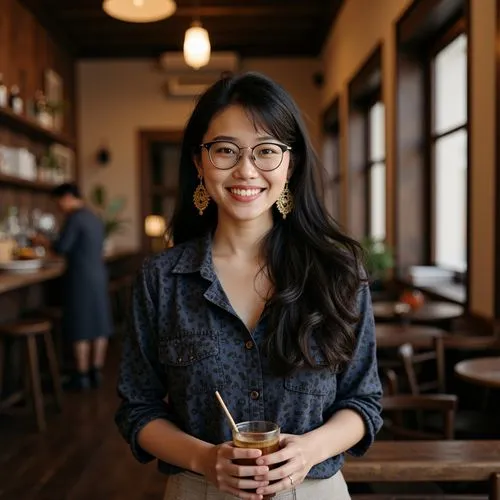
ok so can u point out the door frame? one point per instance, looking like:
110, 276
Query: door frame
145, 138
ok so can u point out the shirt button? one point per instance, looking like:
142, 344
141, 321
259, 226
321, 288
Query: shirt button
255, 395
249, 344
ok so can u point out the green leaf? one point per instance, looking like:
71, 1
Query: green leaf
115, 206
98, 196
379, 258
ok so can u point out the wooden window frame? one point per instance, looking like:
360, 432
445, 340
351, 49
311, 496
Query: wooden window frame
331, 129
425, 26
452, 33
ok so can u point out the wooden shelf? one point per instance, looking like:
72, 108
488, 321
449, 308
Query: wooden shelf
31, 129
24, 183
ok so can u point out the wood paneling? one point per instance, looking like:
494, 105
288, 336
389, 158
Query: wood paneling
27, 49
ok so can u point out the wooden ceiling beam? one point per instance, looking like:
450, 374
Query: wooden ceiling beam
67, 11
107, 32
99, 52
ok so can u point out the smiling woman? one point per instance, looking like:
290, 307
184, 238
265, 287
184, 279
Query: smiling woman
263, 299
244, 186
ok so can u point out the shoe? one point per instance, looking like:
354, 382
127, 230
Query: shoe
78, 382
95, 376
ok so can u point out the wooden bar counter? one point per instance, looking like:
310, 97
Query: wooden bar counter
25, 294
53, 269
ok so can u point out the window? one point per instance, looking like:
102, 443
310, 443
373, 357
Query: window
376, 171
449, 155
331, 161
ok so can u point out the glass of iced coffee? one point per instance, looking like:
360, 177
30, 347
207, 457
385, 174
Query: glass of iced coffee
261, 435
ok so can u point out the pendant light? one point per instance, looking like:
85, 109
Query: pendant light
139, 11
196, 46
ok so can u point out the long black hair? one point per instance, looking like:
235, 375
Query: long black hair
314, 268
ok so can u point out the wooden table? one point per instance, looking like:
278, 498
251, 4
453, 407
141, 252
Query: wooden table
430, 311
480, 371
402, 461
393, 335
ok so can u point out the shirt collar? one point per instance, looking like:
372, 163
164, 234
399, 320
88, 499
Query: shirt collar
197, 257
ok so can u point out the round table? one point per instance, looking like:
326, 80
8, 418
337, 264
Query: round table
429, 311
390, 335
480, 371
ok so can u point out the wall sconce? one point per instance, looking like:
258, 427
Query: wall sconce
155, 227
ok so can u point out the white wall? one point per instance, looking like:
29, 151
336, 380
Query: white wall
117, 98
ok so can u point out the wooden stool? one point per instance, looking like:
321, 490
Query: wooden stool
55, 315
29, 330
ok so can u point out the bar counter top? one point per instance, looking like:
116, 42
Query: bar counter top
53, 269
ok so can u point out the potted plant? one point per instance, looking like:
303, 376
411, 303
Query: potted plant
379, 260
109, 212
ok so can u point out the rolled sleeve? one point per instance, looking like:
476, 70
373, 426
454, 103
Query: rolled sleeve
68, 237
359, 386
142, 379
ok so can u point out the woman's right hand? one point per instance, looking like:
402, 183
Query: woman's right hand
232, 478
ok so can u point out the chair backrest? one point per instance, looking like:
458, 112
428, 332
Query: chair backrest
395, 406
411, 359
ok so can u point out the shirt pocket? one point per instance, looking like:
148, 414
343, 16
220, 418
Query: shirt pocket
192, 361
317, 382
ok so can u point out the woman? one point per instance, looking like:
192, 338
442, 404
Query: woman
87, 312
261, 298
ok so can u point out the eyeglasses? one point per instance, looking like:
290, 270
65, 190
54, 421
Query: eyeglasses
225, 155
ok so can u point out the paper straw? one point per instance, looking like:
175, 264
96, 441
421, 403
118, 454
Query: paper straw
226, 411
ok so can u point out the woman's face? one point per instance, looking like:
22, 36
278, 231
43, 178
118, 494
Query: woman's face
243, 192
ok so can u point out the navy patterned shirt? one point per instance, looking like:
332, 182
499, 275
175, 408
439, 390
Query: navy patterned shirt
186, 342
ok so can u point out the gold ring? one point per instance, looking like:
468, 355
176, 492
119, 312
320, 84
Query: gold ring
291, 479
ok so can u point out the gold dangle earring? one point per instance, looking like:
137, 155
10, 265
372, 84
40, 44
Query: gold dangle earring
201, 198
285, 201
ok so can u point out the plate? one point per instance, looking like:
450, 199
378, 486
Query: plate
21, 266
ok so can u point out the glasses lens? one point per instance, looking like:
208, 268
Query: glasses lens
267, 156
224, 155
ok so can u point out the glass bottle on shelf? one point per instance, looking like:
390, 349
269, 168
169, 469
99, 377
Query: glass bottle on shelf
41, 110
4, 94
15, 100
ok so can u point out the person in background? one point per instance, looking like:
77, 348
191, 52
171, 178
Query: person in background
86, 309
262, 298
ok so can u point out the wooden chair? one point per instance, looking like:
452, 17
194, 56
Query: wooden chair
28, 331
410, 360
444, 404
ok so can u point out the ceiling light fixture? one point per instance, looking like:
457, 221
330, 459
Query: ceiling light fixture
139, 11
196, 46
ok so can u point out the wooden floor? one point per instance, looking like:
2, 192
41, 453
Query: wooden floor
81, 456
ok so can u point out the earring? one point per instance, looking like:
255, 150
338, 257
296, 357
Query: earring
201, 198
285, 201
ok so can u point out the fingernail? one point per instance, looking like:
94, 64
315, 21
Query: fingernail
260, 462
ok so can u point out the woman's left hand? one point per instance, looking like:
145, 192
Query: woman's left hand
295, 462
